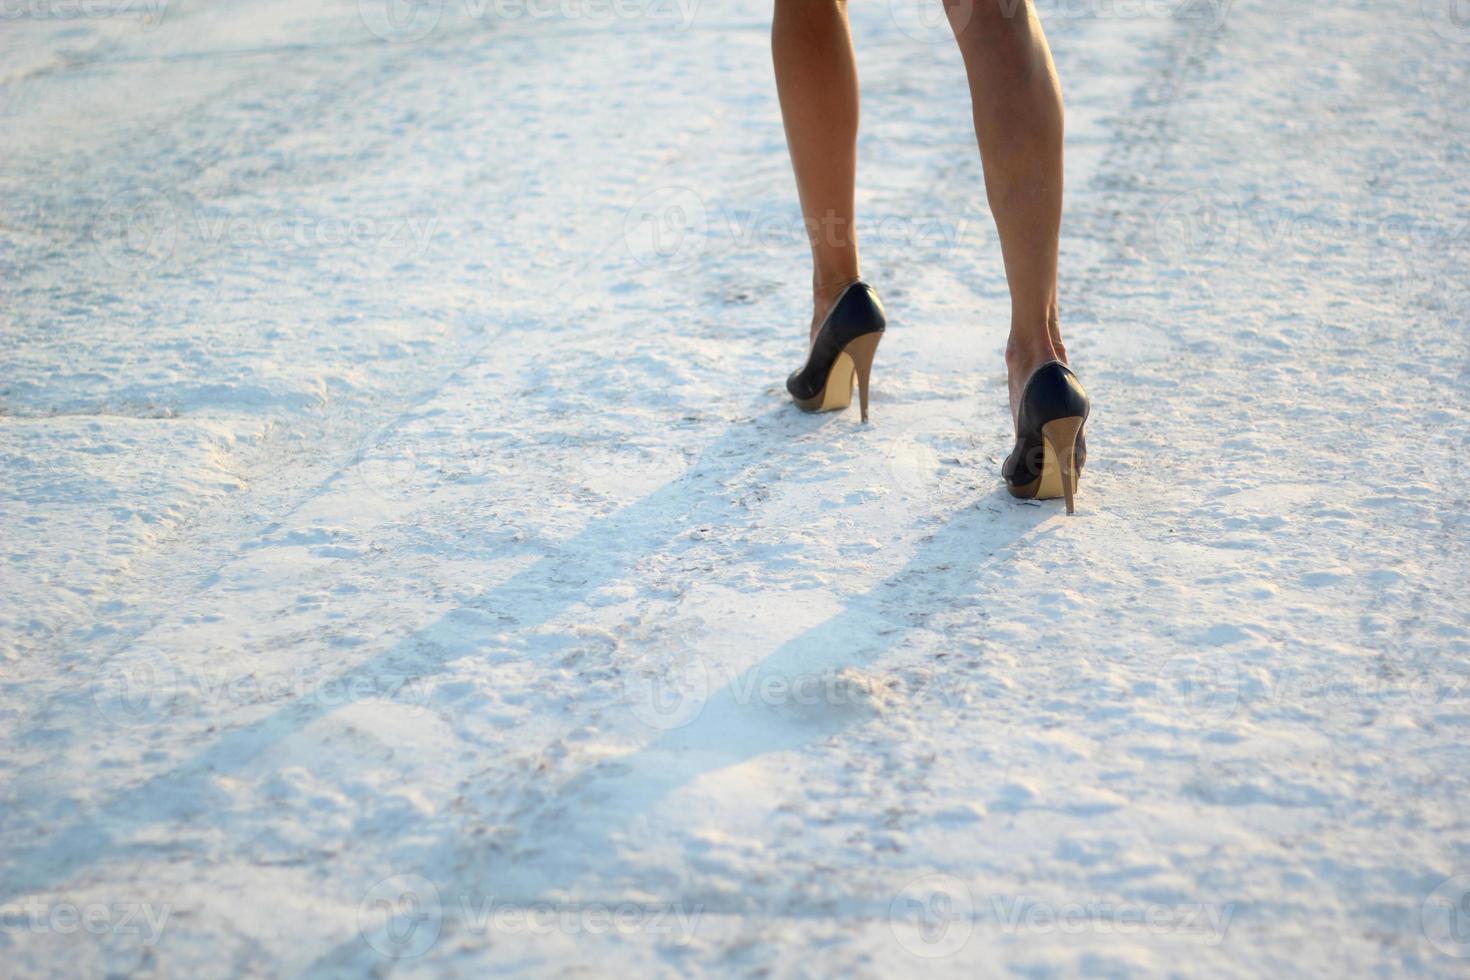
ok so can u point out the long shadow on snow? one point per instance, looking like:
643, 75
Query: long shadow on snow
769, 442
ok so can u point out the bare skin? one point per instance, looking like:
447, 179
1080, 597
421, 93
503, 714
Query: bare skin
817, 81
1017, 106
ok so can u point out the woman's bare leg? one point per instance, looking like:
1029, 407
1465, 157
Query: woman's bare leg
1017, 103
816, 79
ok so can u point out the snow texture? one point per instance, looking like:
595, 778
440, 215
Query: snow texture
412, 563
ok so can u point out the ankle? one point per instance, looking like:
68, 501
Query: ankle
825, 296
1024, 357
828, 290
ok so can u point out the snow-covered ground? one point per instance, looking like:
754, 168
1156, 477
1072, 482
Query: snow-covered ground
413, 564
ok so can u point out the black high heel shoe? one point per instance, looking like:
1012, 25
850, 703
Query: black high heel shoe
842, 352
1049, 449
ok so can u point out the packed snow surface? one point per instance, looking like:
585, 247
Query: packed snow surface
413, 564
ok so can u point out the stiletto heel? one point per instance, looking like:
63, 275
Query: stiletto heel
1060, 437
861, 351
841, 354
1050, 450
